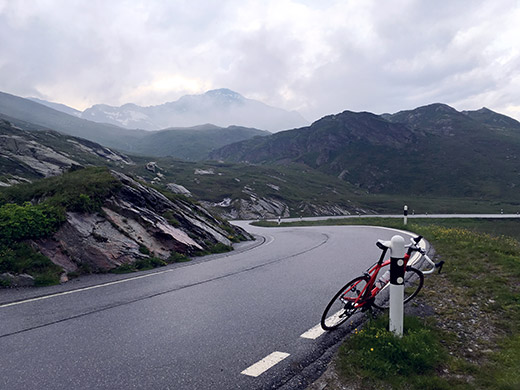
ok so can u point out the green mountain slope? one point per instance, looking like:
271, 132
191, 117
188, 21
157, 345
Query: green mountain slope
430, 151
194, 143
233, 190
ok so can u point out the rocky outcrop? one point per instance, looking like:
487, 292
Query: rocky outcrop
136, 223
21, 280
252, 206
178, 189
42, 159
26, 155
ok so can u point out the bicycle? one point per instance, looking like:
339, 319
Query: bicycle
365, 291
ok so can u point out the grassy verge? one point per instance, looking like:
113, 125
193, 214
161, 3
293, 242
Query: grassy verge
377, 358
20, 258
475, 328
150, 262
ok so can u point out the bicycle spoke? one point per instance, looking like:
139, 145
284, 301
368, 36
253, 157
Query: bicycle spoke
344, 304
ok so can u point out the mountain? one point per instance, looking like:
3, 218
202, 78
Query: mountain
432, 150
57, 107
232, 190
24, 112
492, 119
187, 143
221, 107
320, 143
192, 143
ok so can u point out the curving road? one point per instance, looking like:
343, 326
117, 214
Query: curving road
207, 324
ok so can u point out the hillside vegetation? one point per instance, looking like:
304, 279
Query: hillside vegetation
430, 151
96, 220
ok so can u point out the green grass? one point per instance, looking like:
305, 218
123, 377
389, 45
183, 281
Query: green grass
81, 190
381, 357
300, 186
493, 226
215, 248
20, 258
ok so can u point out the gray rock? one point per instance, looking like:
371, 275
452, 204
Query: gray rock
135, 223
178, 189
21, 280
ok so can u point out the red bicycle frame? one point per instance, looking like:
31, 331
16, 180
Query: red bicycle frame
365, 296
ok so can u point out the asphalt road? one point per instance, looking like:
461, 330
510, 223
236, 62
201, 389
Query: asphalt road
199, 325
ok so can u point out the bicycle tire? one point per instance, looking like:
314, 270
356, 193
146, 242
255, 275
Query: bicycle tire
337, 311
414, 280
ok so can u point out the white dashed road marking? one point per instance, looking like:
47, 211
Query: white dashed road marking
313, 333
265, 364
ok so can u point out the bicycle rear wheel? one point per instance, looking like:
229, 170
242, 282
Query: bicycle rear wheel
342, 306
414, 280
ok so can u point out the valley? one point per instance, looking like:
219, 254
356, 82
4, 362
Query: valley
434, 159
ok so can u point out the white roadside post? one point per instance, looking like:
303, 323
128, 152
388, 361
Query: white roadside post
397, 252
405, 214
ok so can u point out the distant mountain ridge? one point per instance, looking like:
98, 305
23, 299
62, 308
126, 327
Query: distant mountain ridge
221, 107
186, 143
431, 150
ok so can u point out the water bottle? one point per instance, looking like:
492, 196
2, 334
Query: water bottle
383, 280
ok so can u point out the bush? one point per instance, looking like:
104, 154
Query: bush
27, 221
176, 257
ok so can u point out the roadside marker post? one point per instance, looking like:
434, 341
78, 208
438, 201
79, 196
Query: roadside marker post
397, 252
405, 214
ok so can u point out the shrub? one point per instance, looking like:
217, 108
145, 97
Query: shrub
27, 221
176, 257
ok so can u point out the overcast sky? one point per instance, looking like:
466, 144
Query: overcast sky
318, 57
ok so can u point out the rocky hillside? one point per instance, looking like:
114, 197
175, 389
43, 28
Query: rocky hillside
29, 155
106, 220
321, 142
232, 191
244, 191
432, 150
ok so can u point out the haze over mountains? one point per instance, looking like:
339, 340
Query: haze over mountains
220, 107
187, 143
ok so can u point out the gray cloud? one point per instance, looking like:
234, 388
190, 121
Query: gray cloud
316, 58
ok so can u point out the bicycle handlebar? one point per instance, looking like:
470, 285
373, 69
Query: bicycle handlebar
415, 248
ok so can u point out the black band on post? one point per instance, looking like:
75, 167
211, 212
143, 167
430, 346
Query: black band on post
396, 270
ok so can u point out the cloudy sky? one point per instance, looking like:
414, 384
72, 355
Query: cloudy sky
317, 57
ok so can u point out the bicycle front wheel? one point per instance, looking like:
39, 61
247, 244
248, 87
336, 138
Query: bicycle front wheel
414, 280
344, 304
